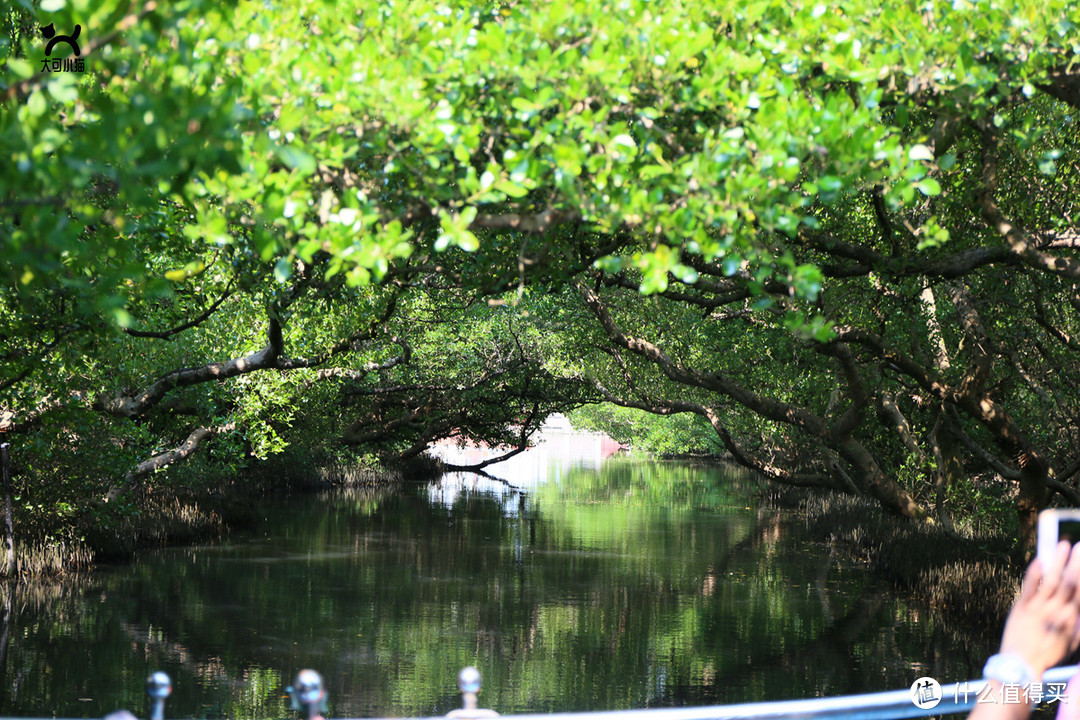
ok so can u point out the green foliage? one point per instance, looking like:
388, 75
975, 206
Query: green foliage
289, 132
983, 503
293, 198
642, 431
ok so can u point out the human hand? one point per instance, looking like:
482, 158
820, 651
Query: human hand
1043, 626
1069, 707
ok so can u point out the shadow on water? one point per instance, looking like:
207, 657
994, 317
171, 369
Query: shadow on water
636, 584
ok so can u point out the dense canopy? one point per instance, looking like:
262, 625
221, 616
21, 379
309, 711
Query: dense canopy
842, 238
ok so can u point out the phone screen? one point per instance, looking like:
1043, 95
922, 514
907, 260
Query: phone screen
1069, 530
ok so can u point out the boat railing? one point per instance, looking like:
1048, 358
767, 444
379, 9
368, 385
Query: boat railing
925, 697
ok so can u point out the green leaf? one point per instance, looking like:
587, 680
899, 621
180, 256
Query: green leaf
63, 88
609, 263
299, 160
467, 241
929, 186
829, 187
511, 188
522, 104
920, 152
122, 317
35, 104
282, 270
20, 68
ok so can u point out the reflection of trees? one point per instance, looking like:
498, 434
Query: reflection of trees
70, 680
666, 592
157, 644
833, 652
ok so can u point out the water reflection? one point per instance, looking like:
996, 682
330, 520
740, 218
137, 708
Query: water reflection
558, 448
636, 584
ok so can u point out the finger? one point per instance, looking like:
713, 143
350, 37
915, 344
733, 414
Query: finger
1052, 576
1071, 574
1031, 580
1065, 590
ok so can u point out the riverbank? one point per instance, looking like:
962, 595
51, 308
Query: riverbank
192, 507
962, 577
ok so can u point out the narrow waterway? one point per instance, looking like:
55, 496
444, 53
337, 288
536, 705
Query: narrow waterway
575, 584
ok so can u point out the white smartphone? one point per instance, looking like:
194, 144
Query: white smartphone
1055, 526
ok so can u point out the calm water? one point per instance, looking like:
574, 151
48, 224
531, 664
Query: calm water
626, 584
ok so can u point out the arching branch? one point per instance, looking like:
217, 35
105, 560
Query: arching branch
744, 457
162, 460
1015, 237
167, 334
269, 357
528, 429
891, 496
134, 405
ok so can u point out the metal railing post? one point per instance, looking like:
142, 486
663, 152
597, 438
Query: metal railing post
158, 687
469, 682
308, 694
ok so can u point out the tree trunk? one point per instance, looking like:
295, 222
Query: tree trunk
9, 526
891, 496
950, 467
1033, 495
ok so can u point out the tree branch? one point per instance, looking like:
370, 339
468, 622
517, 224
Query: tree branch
162, 460
770, 408
537, 223
351, 374
891, 496
894, 419
867, 260
268, 358
766, 468
134, 405
527, 431
979, 451
166, 334
979, 346
1015, 237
